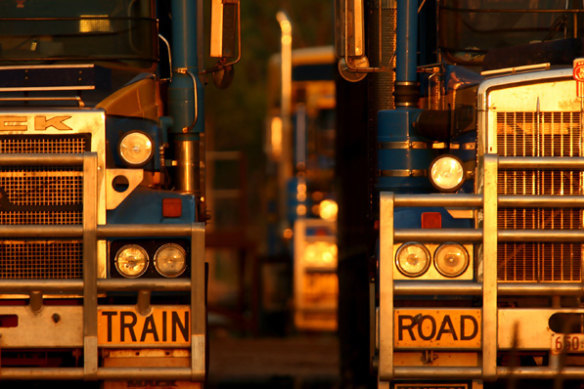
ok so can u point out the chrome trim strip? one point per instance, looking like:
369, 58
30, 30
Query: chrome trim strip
47, 89
439, 146
463, 146
58, 66
405, 145
403, 173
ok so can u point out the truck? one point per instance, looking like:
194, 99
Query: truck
466, 242
301, 203
102, 220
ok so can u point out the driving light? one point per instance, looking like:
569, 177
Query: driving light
412, 259
136, 148
131, 261
451, 259
170, 260
447, 173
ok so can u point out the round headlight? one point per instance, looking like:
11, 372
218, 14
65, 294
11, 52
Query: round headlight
451, 259
136, 148
447, 173
131, 261
170, 260
412, 259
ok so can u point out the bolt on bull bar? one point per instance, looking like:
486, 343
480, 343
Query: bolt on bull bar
90, 286
489, 236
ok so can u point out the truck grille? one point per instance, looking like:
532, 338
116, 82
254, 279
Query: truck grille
41, 259
545, 134
41, 195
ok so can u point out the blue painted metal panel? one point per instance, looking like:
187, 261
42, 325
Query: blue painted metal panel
397, 126
407, 41
412, 218
184, 55
144, 206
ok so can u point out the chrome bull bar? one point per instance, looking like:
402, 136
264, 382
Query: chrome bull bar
489, 201
90, 286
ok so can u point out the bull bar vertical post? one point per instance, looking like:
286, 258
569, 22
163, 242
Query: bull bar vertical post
198, 311
90, 347
386, 231
489, 314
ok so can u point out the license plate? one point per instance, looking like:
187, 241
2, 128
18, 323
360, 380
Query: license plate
437, 328
567, 343
124, 326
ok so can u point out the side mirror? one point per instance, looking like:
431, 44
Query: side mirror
225, 39
350, 40
350, 25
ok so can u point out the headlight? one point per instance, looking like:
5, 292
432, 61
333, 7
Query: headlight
447, 173
412, 259
136, 148
328, 210
131, 261
321, 254
451, 259
170, 260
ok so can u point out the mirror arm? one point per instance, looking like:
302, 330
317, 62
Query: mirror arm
167, 44
187, 72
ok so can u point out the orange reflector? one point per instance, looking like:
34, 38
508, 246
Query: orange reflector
431, 220
171, 207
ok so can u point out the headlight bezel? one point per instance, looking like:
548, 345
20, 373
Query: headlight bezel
125, 159
432, 273
127, 247
422, 271
151, 246
155, 259
432, 176
463, 251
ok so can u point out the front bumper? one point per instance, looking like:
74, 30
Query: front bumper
499, 332
42, 326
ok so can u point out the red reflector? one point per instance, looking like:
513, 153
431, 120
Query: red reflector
431, 220
171, 207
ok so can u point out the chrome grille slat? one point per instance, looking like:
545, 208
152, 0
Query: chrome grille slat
539, 134
41, 195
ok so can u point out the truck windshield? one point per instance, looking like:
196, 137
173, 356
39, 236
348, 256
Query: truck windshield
469, 28
49, 31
